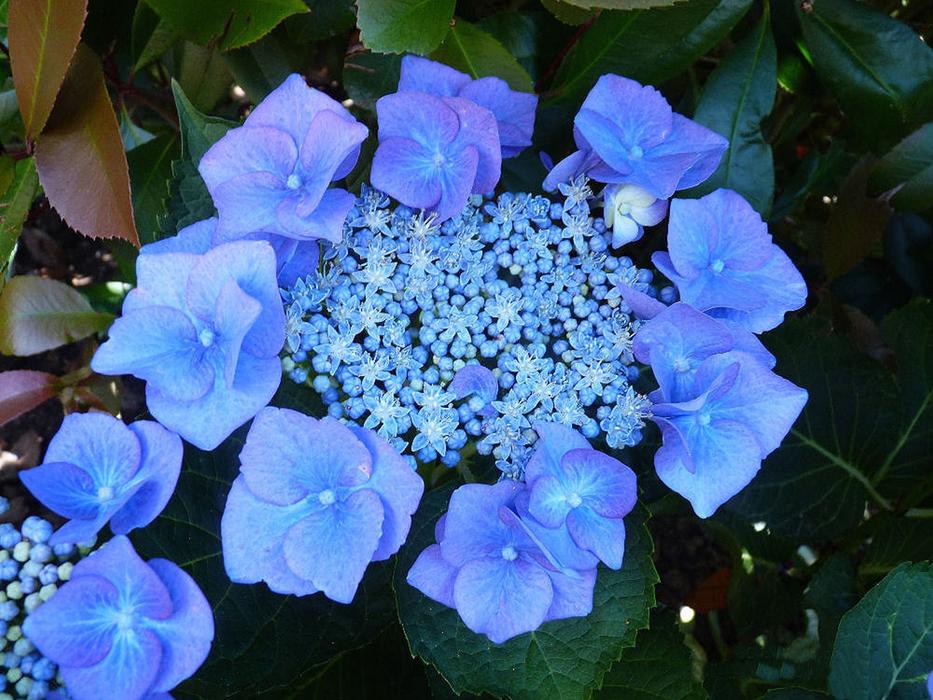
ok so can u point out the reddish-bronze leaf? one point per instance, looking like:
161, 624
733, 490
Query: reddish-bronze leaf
43, 38
22, 390
80, 157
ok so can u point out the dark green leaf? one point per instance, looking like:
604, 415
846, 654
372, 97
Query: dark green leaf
151, 35
150, 171
226, 23
20, 186
647, 45
264, 642
884, 647
326, 18
816, 484
818, 172
621, 4
202, 74
562, 659
895, 540
369, 76
471, 50
658, 666
261, 67
188, 200
198, 131
533, 38
909, 168
794, 694
401, 26
737, 97
567, 13
879, 69
38, 313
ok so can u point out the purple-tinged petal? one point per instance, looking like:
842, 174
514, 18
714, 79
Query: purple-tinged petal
80, 531
207, 421
474, 379
639, 111
159, 467
548, 502
424, 75
605, 537
333, 546
472, 528
613, 146
292, 107
399, 487
63, 488
252, 264
455, 186
556, 543
514, 111
249, 203
603, 483
554, 439
75, 627
573, 593
99, 444
161, 281
186, 636
745, 341
641, 304
248, 149
405, 170
424, 118
659, 174
651, 215
324, 223
300, 263
160, 345
625, 230
288, 456
706, 144
501, 598
252, 532
196, 238
565, 170
434, 576
126, 672
136, 583
234, 315
331, 140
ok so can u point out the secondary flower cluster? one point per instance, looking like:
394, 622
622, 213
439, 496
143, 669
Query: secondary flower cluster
518, 285
31, 571
314, 504
517, 554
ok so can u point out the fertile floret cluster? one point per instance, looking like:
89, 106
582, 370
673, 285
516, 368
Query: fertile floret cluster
519, 285
31, 571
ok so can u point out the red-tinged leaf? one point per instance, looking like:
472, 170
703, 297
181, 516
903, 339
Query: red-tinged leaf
37, 314
43, 38
80, 157
22, 390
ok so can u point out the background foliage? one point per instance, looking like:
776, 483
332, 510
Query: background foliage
808, 584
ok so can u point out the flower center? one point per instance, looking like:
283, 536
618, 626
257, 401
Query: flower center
439, 160
293, 182
509, 553
635, 152
703, 418
326, 497
206, 336
681, 365
104, 493
574, 500
717, 266
124, 620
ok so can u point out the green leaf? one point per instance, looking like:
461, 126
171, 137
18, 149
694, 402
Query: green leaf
202, 74
475, 52
647, 45
150, 171
658, 666
227, 24
884, 647
816, 484
567, 13
37, 314
400, 26
198, 131
264, 642
794, 694
621, 4
369, 76
21, 184
563, 659
879, 69
188, 200
737, 97
894, 540
261, 67
908, 167
325, 18
151, 36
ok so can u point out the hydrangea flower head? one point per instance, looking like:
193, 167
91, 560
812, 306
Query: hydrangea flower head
494, 569
204, 331
273, 174
720, 408
722, 261
123, 627
589, 491
435, 151
514, 110
97, 470
627, 133
315, 502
